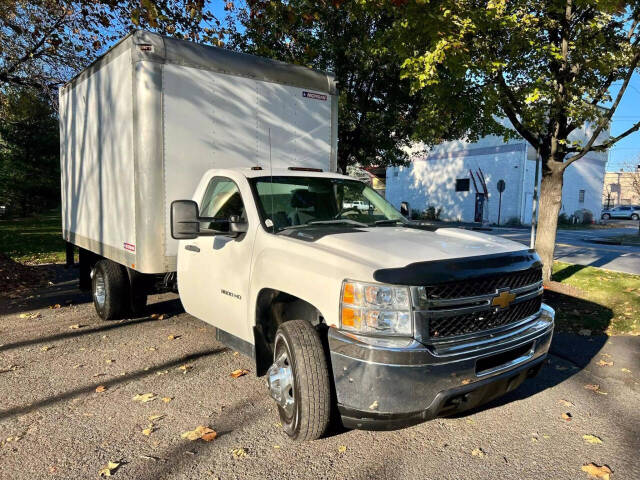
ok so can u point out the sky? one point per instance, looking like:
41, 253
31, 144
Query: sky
626, 153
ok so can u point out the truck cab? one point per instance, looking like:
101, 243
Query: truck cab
404, 321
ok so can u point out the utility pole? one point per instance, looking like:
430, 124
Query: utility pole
534, 215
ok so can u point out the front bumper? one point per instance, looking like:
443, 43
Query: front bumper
396, 383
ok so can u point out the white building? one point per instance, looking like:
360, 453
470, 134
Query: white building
441, 178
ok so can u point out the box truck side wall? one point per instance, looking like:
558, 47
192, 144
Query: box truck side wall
97, 161
215, 120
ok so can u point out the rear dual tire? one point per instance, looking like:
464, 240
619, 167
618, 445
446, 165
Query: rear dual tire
113, 296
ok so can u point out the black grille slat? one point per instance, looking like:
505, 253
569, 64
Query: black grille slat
483, 320
491, 317
485, 285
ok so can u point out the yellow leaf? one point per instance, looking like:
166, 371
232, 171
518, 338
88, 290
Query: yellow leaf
466, 381
109, 361
173, 337
185, 368
604, 363
592, 439
167, 399
478, 452
239, 452
148, 431
625, 370
108, 469
75, 326
46, 348
200, 433
155, 417
603, 472
342, 448
100, 388
144, 398
566, 403
567, 416
55, 307
592, 387
239, 373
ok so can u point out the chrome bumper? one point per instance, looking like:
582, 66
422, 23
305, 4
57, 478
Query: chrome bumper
394, 383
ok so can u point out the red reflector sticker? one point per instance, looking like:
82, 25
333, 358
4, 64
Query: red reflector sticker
130, 247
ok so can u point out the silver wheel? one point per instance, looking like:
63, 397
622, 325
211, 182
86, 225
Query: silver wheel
100, 291
281, 386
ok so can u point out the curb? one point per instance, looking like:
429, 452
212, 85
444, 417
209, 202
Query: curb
607, 241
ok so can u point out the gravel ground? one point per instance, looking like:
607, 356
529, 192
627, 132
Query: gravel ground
53, 423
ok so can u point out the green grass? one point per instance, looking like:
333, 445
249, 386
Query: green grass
33, 240
605, 301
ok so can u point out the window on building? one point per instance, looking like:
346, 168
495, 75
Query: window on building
581, 196
462, 185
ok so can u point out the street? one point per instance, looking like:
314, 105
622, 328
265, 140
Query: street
54, 424
572, 247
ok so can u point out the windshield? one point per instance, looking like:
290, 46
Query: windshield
289, 202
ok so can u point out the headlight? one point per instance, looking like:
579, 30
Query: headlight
373, 309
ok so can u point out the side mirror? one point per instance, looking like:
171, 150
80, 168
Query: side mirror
237, 226
184, 220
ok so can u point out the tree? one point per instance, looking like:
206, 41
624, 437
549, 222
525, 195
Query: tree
546, 65
378, 114
29, 152
45, 42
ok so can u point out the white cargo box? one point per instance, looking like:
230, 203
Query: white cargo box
140, 126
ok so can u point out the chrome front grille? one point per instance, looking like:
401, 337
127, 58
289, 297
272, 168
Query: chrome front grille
476, 305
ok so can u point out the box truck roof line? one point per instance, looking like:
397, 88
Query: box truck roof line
152, 47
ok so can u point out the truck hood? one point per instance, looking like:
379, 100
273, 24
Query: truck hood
390, 247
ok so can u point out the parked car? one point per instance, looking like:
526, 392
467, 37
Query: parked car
622, 211
213, 174
358, 205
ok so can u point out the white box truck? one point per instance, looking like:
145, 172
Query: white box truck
213, 173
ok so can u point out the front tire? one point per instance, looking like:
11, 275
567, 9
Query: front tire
109, 286
634, 216
299, 381
606, 216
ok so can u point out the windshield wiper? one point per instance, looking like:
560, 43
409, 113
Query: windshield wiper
326, 222
388, 222
337, 221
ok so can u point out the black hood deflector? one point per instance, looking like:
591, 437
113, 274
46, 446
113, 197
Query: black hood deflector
458, 269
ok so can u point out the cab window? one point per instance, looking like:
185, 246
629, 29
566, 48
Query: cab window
222, 200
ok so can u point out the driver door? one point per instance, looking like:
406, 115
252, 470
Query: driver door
213, 271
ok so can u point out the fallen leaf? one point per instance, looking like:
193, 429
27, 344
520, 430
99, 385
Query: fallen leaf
200, 432
374, 405
155, 417
100, 388
604, 363
148, 431
55, 307
164, 372
239, 373
144, 398
567, 416
607, 355
276, 446
625, 370
185, 368
592, 439
109, 361
152, 349
46, 348
173, 337
566, 403
235, 354
342, 448
108, 469
592, 387
466, 381
478, 452
30, 315
75, 326
239, 452
603, 472
161, 317
167, 399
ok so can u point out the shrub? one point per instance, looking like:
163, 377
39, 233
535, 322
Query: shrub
564, 219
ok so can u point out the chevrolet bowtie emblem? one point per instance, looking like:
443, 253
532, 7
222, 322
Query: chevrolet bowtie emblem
503, 299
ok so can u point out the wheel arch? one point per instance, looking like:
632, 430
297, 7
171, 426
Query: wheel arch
272, 308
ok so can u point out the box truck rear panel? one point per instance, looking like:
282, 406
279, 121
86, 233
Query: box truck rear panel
142, 125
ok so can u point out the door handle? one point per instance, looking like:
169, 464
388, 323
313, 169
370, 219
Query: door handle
192, 248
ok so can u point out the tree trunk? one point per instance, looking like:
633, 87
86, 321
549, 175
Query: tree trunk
550, 203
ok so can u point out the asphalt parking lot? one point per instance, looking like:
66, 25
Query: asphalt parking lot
54, 424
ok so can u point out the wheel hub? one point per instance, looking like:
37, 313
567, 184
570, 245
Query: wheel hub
100, 292
280, 379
